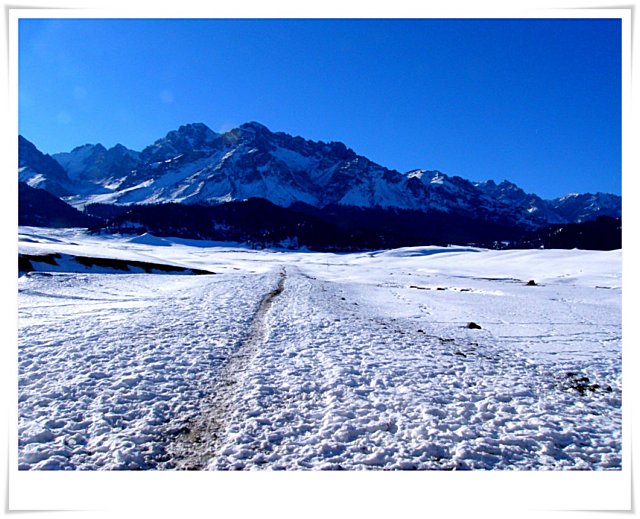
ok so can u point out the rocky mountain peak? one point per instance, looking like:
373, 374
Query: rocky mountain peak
255, 127
187, 138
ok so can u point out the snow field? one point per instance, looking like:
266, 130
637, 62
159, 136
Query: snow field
361, 391
110, 365
361, 361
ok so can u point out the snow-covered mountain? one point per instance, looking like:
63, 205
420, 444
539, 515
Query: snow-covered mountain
513, 196
453, 194
41, 171
94, 165
584, 207
195, 165
570, 208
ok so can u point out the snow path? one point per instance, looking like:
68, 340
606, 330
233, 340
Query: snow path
110, 366
337, 385
185, 452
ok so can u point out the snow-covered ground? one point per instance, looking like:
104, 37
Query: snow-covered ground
294, 360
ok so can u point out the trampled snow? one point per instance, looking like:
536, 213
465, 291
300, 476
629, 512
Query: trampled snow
292, 360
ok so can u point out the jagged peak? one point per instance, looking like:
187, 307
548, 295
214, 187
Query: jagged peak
505, 184
119, 147
186, 135
91, 147
254, 126
199, 130
189, 127
486, 183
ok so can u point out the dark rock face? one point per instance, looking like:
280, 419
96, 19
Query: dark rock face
39, 208
43, 262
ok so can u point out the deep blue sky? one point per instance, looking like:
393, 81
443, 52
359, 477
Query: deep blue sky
537, 102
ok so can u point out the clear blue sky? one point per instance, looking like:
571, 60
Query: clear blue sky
537, 102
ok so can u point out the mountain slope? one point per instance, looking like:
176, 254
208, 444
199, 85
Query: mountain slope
41, 171
587, 206
513, 196
94, 164
604, 233
573, 207
39, 208
256, 221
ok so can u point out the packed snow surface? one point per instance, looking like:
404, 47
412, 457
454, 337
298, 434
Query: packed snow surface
299, 360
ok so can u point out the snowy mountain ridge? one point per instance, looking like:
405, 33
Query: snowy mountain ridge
195, 165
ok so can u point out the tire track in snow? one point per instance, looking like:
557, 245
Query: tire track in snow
195, 447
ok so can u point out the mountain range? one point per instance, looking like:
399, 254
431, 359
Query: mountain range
194, 166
